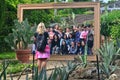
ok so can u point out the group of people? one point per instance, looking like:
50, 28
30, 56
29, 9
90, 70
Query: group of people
71, 40
58, 41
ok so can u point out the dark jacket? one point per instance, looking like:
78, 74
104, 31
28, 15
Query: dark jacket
64, 49
55, 43
45, 37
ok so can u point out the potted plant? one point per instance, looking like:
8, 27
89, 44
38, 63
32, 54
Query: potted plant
20, 38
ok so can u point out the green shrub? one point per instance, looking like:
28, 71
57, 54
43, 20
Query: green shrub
7, 55
115, 34
108, 20
15, 68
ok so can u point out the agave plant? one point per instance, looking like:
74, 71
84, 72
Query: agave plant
107, 52
3, 74
60, 73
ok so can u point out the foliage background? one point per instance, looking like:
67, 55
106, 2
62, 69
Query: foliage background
110, 24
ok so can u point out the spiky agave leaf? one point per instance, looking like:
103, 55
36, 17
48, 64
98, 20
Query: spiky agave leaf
107, 52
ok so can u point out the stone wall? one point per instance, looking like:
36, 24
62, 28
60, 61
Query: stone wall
82, 18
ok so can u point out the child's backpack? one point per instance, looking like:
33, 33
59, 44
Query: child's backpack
40, 42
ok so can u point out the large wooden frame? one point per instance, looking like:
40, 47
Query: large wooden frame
95, 5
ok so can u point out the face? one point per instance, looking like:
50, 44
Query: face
51, 29
47, 29
60, 29
88, 28
55, 36
77, 29
56, 26
65, 36
40, 27
80, 29
67, 30
78, 44
74, 27
85, 28
70, 35
72, 43
63, 42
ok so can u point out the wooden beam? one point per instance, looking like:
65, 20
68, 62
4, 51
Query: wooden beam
58, 5
66, 58
97, 26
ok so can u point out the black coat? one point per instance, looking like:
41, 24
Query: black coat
55, 43
64, 49
45, 38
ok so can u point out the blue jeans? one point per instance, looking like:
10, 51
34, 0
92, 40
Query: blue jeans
55, 50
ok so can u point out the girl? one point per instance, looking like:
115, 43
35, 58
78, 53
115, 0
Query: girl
64, 48
73, 48
41, 56
55, 44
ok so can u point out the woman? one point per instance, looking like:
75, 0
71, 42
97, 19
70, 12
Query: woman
67, 32
42, 56
83, 35
73, 48
90, 39
64, 48
79, 48
51, 34
77, 35
55, 44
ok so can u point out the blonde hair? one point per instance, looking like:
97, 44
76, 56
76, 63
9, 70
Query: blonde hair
41, 28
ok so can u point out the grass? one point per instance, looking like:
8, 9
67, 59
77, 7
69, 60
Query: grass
15, 66
7, 55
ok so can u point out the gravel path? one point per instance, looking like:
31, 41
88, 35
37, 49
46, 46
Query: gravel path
50, 66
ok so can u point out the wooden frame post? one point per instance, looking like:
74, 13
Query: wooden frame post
95, 5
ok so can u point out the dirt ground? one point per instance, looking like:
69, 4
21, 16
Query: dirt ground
51, 65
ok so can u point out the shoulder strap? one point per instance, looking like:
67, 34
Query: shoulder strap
37, 36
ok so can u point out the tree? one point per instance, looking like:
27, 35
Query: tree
2, 23
2, 11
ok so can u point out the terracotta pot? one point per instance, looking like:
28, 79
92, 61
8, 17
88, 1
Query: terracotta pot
23, 55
